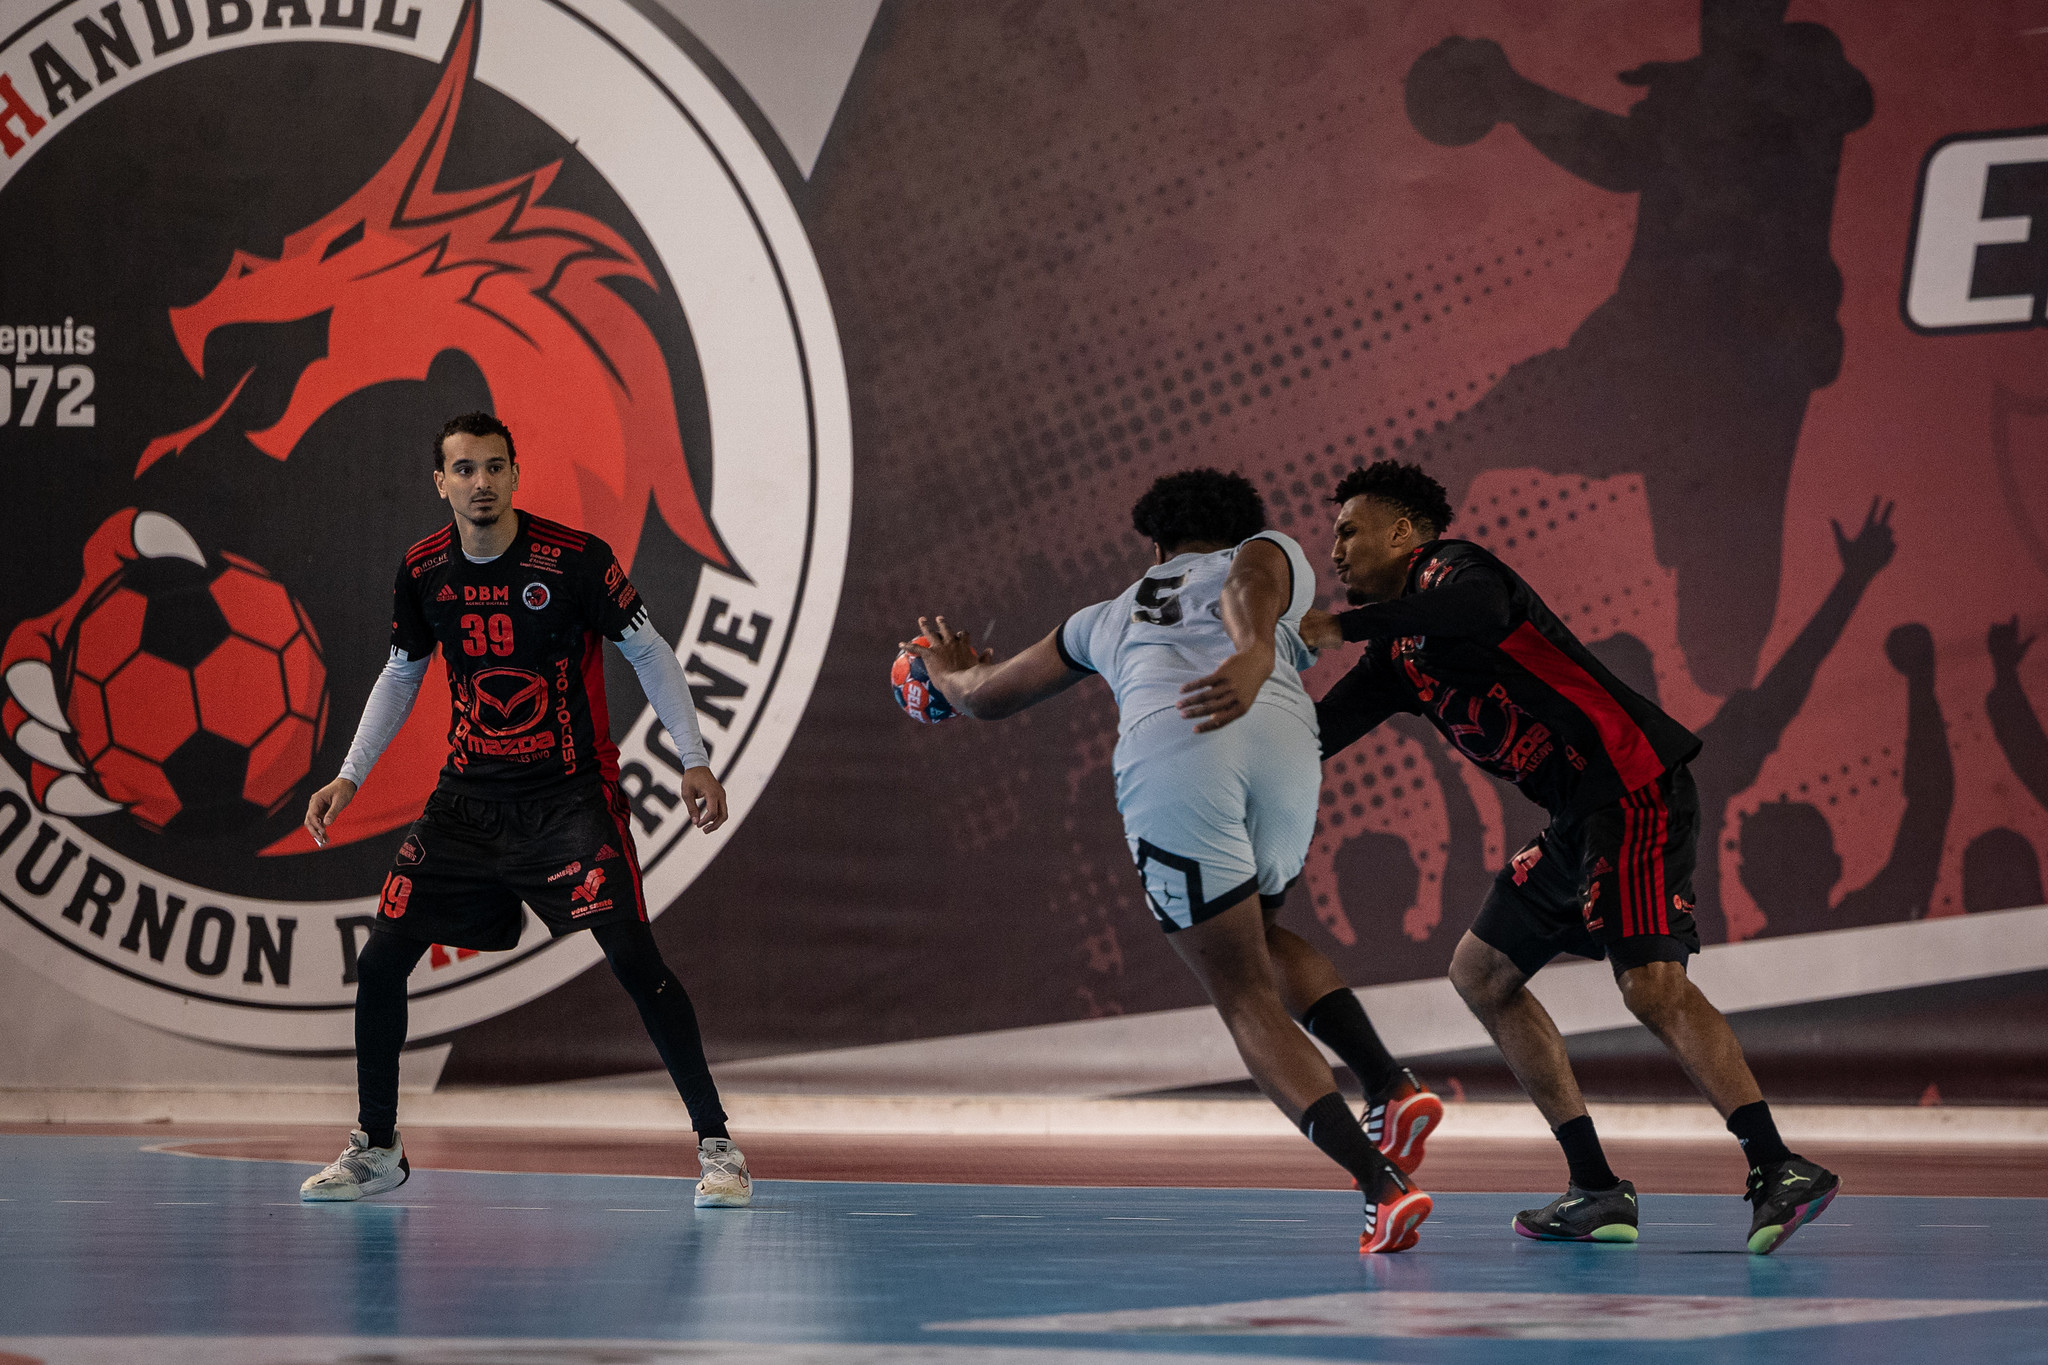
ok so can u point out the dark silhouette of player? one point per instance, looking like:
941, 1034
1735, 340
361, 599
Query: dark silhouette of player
2013, 722
2000, 867
1696, 373
2000, 872
1746, 730
1788, 861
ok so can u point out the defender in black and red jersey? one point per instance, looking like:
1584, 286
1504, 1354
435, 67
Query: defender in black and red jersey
528, 807
1454, 635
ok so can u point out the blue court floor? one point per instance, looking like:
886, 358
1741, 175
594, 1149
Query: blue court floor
112, 1252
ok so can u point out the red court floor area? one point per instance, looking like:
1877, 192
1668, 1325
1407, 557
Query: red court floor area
1454, 1163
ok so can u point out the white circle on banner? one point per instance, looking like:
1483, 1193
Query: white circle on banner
647, 118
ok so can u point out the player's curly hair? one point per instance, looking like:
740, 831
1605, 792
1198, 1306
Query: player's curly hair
1405, 486
473, 424
1198, 505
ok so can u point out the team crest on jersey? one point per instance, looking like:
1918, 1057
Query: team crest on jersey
546, 209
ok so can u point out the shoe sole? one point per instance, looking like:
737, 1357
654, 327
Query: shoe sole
1607, 1232
725, 1201
1769, 1238
1408, 1123
1399, 1224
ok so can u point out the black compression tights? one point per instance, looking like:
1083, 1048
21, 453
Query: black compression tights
387, 960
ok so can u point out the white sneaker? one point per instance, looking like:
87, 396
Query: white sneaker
726, 1184
360, 1171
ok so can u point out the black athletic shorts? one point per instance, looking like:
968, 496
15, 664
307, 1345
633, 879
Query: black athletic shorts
466, 864
1617, 884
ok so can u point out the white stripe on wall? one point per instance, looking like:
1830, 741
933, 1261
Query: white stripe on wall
1134, 1054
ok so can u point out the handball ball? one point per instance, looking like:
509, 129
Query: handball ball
198, 694
1447, 95
912, 685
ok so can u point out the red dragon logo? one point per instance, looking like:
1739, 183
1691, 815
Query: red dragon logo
404, 271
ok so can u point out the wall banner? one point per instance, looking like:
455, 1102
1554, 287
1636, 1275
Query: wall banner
224, 373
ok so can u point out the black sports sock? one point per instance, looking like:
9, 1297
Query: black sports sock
381, 969
1332, 1127
1340, 1021
670, 1019
1758, 1133
1590, 1171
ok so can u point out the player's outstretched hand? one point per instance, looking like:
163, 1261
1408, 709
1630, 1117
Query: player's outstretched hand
950, 651
2007, 648
1227, 693
1872, 547
706, 798
328, 803
1319, 629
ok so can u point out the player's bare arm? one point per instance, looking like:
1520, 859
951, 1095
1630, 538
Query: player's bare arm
1254, 597
979, 685
1593, 144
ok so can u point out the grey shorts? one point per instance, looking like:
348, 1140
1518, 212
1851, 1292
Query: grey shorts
1212, 819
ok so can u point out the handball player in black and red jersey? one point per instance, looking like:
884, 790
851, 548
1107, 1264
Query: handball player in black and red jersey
1454, 635
528, 807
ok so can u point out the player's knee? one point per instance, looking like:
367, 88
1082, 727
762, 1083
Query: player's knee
635, 959
383, 966
1483, 977
640, 975
1654, 991
1237, 993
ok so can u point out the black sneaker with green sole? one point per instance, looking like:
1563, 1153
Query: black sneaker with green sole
1583, 1216
1787, 1195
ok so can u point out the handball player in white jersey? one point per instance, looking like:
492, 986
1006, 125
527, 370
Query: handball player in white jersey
1218, 773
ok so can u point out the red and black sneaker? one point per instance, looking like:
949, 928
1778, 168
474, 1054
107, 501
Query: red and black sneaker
1393, 1218
1398, 1122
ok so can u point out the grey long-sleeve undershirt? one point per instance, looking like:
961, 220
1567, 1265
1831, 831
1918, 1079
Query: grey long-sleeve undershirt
654, 664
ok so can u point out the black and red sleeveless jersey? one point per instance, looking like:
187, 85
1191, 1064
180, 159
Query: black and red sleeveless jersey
1471, 647
520, 638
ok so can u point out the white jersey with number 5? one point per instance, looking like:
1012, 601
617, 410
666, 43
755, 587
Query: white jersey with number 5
1166, 630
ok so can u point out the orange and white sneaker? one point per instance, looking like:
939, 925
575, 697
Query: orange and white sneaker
1399, 1123
1393, 1223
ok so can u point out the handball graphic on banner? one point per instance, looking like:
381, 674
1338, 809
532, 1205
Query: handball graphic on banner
259, 255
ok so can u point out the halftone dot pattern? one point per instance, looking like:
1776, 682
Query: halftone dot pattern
1573, 540
1862, 791
1383, 785
1044, 331
1072, 249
